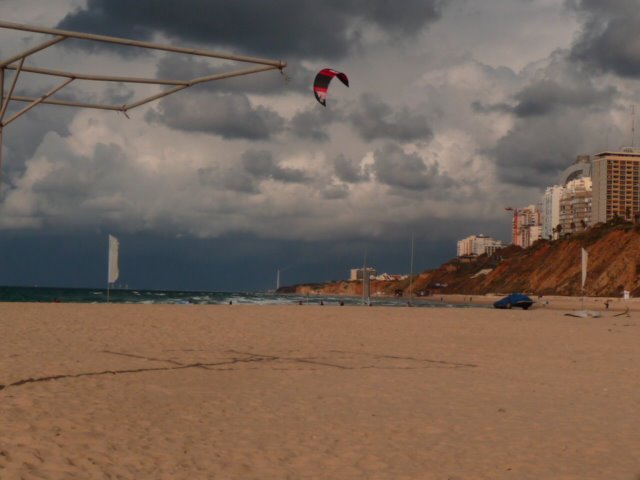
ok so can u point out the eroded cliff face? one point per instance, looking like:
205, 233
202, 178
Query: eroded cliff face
547, 268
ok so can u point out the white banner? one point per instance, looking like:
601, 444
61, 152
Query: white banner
114, 246
585, 258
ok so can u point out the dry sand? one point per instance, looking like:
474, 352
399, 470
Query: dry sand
311, 392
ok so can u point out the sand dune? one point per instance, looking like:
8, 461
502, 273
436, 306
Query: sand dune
297, 392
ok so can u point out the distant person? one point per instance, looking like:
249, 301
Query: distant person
341, 303
606, 304
321, 302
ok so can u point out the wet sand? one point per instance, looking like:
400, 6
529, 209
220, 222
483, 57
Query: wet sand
311, 392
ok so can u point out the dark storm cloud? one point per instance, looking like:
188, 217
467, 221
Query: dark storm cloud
484, 108
374, 120
299, 28
350, 171
560, 115
546, 96
228, 115
407, 171
537, 149
261, 165
610, 37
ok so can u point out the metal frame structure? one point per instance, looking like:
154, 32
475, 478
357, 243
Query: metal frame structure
17, 63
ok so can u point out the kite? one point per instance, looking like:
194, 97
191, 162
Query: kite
321, 83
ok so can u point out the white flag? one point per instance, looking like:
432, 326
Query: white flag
114, 246
585, 258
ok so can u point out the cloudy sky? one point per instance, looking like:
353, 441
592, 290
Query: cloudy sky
456, 109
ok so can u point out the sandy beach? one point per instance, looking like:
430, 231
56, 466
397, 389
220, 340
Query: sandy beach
317, 392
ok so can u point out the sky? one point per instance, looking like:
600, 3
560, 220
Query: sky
456, 109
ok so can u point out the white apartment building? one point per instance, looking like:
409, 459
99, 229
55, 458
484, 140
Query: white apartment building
478, 245
550, 215
575, 206
358, 273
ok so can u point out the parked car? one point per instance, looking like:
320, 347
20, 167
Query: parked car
514, 300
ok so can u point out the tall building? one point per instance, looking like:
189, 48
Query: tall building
575, 206
358, 273
478, 245
550, 215
527, 227
616, 185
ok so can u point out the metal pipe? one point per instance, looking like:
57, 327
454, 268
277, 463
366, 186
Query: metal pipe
35, 49
102, 78
137, 43
37, 101
218, 76
5, 104
63, 103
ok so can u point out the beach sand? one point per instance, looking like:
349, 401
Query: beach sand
316, 392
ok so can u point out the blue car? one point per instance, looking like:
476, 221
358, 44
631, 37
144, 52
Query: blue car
514, 300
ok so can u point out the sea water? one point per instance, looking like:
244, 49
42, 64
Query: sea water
140, 296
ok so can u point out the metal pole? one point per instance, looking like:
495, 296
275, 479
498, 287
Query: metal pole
5, 104
136, 43
39, 100
217, 76
35, 49
63, 103
101, 78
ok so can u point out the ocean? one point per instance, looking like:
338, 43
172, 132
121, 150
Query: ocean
140, 296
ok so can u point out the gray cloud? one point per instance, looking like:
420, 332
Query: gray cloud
313, 123
261, 165
538, 148
234, 180
559, 115
610, 37
335, 192
302, 28
227, 115
374, 120
350, 171
545, 96
407, 171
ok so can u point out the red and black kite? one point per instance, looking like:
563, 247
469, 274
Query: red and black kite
321, 83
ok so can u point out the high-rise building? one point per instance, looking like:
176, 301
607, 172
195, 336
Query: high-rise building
478, 245
550, 215
575, 206
358, 273
616, 185
527, 227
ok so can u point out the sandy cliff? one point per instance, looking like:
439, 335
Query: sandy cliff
545, 268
